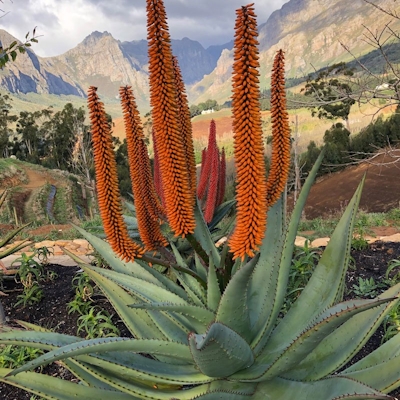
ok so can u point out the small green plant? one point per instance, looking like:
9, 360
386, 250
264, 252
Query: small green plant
14, 356
393, 264
303, 263
391, 324
29, 273
97, 324
84, 289
43, 253
367, 288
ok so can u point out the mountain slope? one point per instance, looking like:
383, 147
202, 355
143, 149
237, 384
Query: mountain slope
310, 32
102, 61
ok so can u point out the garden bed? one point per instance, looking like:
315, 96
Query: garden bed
58, 291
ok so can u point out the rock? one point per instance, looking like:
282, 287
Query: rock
391, 238
321, 242
81, 242
300, 241
45, 243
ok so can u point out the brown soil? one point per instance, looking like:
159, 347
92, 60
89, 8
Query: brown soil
381, 193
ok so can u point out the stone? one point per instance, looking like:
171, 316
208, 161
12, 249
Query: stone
81, 242
45, 243
391, 238
300, 241
321, 242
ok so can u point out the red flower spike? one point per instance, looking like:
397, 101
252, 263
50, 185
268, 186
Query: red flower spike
206, 167
221, 179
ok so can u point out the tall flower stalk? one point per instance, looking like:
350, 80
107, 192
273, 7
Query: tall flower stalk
173, 156
248, 142
148, 207
107, 182
280, 160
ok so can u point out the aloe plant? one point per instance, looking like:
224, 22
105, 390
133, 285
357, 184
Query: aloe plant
212, 328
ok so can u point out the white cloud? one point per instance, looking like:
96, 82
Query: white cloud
65, 23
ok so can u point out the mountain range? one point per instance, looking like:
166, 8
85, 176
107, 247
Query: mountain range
311, 32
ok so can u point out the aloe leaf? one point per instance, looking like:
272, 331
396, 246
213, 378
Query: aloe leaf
137, 268
220, 352
388, 350
384, 376
54, 388
220, 213
336, 349
203, 236
12, 234
143, 370
39, 339
201, 314
142, 324
192, 287
333, 388
13, 249
233, 310
325, 283
200, 269
285, 359
146, 291
86, 378
103, 345
213, 291
265, 304
131, 222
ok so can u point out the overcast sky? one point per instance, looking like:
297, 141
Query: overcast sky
65, 23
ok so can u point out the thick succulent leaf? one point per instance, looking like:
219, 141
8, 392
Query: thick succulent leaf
213, 290
139, 369
12, 249
233, 310
137, 268
384, 376
131, 222
200, 269
12, 234
201, 314
265, 304
141, 323
220, 352
267, 277
220, 213
287, 356
333, 388
322, 290
146, 291
203, 236
194, 290
86, 378
336, 349
38, 339
54, 388
104, 345
388, 350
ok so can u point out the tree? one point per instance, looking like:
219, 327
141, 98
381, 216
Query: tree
5, 119
332, 95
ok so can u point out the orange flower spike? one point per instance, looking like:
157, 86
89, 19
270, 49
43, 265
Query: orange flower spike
156, 171
280, 159
148, 207
248, 142
179, 202
186, 126
107, 182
